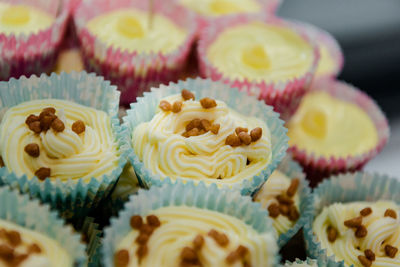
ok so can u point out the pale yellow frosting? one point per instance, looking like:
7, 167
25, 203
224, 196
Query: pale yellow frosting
382, 231
18, 19
129, 30
216, 8
260, 52
92, 153
328, 126
326, 63
180, 225
276, 185
159, 144
52, 254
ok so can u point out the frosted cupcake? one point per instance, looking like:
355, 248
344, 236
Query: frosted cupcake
31, 235
337, 128
191, 226
197, 134
59, 143
356, 225
31, 33
268, 58
134, 50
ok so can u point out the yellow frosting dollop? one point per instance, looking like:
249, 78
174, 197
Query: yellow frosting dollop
221, 7
277, 184
92, 153
326, 63
159, 144
260, 52
51, 254
382, 231
179, 227
17, 19
129, 30
328, 126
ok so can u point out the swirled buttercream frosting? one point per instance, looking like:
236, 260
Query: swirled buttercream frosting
258, 52
190, 236
129, 30
57, 139
22, 247
360, 233
216, 8
200, 140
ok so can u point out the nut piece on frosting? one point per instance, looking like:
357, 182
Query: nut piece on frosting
78, 127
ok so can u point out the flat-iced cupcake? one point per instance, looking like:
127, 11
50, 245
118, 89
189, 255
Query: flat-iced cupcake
337, 128
131, 48
196, 134
264, 56
189, 225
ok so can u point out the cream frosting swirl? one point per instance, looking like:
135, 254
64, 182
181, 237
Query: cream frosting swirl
51, 253
216, 8
382, 230
159, 144
276, 185
92, 153
179, 227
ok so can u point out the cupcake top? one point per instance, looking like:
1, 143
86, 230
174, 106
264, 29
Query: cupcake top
202, 140
360, 233
260, 52
22, 247
23, 19
191, 236
279, 195
215, 8
57, 139
328, 126
129, 29
327, 64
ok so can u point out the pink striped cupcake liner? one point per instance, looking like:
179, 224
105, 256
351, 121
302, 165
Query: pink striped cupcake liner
319, 167
35, 53
284, 96
133, 72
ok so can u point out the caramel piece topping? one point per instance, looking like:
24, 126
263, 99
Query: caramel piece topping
391, 213
192, 132
186, 95
238, 130
353, 223
34, 248
390, 251
153, 221
292, 189
256, 134
35, 127
198, 242
142, 251
136, 222
177, 106
121, 258
205, 124
46, 121
245, 138
6, 251
366, 211
49, 110
369, 254
195, 123
284, 200
293, 213
233, 140
220, 238
165, 105
142, 238
146, 229
208, 103
78, 127
32, 150
332, 234
14, 238
43, 173
284, 209
273, 210
188, 254
364, 261
57, 125
236, 255
17, 259
215, 128
361, 231
31, 118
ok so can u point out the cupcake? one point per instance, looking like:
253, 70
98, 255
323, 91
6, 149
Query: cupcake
199, 130
286, 196
58, 139
355, 221
30, 36
337, 128
31, 235
190, 225
121, 41
264, 56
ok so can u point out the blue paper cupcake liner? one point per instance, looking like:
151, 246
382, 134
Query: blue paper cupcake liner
318, 262
145, 108
345, 188
92, 235
73, 199
293, 170
19, 209
201, 196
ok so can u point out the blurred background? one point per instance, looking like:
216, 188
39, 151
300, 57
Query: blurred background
369, 34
